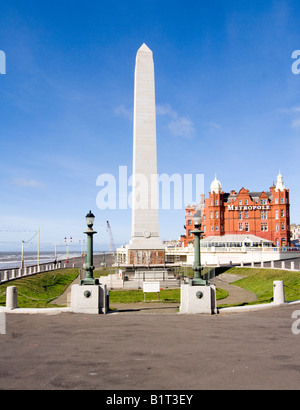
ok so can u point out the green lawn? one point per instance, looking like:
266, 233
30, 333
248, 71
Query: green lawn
165, 296
135, 296
39, 290
260, 282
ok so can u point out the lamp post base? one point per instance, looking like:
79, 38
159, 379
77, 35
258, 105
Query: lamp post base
197, 282
198, 299
89, 299
89, 281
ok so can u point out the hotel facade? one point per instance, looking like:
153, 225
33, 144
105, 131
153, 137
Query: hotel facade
243, 218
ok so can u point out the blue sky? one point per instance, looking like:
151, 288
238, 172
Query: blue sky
227, 103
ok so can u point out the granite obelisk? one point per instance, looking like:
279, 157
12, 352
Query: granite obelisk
145, 248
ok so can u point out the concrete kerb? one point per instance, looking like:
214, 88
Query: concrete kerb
44, 311
32, 311
233, 309
248, 308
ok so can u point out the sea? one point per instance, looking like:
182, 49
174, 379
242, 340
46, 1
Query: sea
12, 260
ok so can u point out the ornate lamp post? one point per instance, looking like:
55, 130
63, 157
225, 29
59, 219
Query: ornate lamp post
197, 280
88, 266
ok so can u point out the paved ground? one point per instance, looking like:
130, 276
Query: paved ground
132, 351
152, 347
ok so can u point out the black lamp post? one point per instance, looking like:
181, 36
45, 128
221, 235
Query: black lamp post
197, 280
88, 266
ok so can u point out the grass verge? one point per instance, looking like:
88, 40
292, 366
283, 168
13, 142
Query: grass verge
39, 290
165, 296
260, 282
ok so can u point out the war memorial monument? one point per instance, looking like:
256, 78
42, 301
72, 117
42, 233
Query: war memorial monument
145, 251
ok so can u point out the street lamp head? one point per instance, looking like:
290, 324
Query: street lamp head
90, 219
197, 218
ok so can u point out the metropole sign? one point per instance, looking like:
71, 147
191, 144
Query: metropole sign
249, 208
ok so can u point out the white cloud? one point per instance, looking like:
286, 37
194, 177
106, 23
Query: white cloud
27, 183
293, 112
296, 123
213, 125
166, 110
124, 112
182, 127
179, 125
296, 109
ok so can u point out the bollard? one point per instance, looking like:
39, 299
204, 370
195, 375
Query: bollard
278, 292
11, 297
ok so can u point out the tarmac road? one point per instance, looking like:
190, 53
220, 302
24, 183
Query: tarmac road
132, 351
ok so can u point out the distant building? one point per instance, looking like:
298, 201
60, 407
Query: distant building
295, 233
243, 218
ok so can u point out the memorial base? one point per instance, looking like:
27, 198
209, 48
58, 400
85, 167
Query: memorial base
92, 299
198, 299
146, 257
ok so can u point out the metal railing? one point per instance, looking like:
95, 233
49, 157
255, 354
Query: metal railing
16, 273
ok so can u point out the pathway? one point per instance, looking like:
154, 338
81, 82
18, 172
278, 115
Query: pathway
236, 295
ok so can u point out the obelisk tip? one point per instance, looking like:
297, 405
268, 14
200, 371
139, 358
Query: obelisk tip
144, 48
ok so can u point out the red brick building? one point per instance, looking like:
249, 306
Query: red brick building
238, 216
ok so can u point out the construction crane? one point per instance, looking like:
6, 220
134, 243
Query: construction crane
112, 247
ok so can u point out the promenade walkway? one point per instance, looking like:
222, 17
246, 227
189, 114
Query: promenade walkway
150, 346
164, 352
